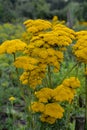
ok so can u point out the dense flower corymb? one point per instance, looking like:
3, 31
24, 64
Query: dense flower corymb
12, 98
49, 99
26, 62
37, 26
80, 48
71, 82
12, 46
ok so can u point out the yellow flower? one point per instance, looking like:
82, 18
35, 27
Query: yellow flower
48, 119
55, 18
54, 110
37, 26
12, 98
80, 34
12, 46
71, 82
37, 107
62, 93
24, 77
26, 62
49, 98
44, 95
80, 48
32, 78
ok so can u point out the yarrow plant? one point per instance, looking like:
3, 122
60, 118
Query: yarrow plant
48, 103
42, 55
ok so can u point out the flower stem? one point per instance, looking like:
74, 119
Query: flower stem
68, 116
85, 99
49, 76
68, 72
15, 67
13, 118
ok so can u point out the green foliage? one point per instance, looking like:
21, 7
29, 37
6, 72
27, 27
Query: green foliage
19, 10
6, 11
10, 31
33, 9
9, 87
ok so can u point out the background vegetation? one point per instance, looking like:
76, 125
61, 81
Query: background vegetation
18, 10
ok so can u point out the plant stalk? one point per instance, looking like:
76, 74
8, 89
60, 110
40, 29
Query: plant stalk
85, 100
49, 76
68, 72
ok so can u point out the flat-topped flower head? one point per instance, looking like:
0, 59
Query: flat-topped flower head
80, 47
51, 113
12, 46
26, 62
64, 29
48, 100
54, 110
44, 95
47, 119
81, 34
37, 26
61, 93
71, 82
12, 99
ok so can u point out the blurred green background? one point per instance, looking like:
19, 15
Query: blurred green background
19, 10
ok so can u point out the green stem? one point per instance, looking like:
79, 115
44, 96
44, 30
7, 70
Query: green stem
30, 118
49, 76
45, 82
15, 67
13, 118
68, 72
68, 116
27, 99
43, 127
20, 85
85, 99
77, 70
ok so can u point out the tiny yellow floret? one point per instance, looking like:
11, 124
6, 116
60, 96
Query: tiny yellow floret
12, 98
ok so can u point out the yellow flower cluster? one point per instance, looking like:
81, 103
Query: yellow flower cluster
12, 46
26, 62
64, 31
55, 20
50, 112
52, 38
32, 78
32, 74
12, 99
37, 26
80, 48
46, 45
72, 82
66, 91
48, 100
80, 34
63, 93
45, 56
